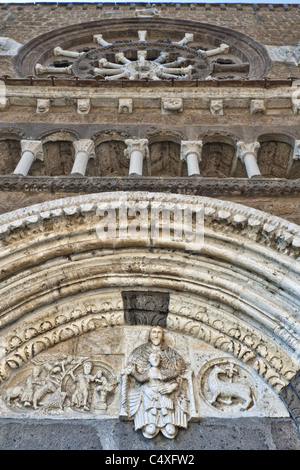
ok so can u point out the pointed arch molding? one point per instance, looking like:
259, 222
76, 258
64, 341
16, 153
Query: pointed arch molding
240, 292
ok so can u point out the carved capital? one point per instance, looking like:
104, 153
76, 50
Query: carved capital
136, 145
189, 147
35, 147
85, 146
244, 149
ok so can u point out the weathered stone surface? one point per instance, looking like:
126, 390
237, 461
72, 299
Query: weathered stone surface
210, 434
117, 332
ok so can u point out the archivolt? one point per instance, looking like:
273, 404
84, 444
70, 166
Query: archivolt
240, 292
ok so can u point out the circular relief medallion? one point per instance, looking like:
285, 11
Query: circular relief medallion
227, 386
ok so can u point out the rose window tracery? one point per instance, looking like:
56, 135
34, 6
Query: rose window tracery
139, 58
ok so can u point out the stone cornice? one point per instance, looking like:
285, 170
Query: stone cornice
256, 96
213, 187
54, 81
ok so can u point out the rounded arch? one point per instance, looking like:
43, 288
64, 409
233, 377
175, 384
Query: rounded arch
58, 134
167, 135
10, 149
106, 136
238, 290
109, 154
164, 154
219, 157
12, 133
58, 154
275, 155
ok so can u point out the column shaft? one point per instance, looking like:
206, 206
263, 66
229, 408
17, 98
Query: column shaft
84, 150
247, 152
191, 153
137, 150
31, 150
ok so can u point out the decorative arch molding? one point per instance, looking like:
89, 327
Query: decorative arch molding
78, 35
238, 293
57, 135
110, 135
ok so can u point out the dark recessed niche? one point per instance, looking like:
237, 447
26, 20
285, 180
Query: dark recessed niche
146, 308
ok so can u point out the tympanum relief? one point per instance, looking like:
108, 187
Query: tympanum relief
62, 384
158, 379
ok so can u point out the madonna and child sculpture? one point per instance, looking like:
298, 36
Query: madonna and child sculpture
157, 390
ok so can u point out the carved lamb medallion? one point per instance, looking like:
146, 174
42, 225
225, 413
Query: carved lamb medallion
226, 386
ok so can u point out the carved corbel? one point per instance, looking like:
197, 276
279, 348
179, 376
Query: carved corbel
125, 106
83, 106
296, 101
257, 107
172, 105
4, 102
216, 107
142, 35
42, 106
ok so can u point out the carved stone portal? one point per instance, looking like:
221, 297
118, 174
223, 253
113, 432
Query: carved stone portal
157, 391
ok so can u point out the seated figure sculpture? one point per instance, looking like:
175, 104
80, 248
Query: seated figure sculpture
157, 399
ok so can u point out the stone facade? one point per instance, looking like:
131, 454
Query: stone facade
149, 226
